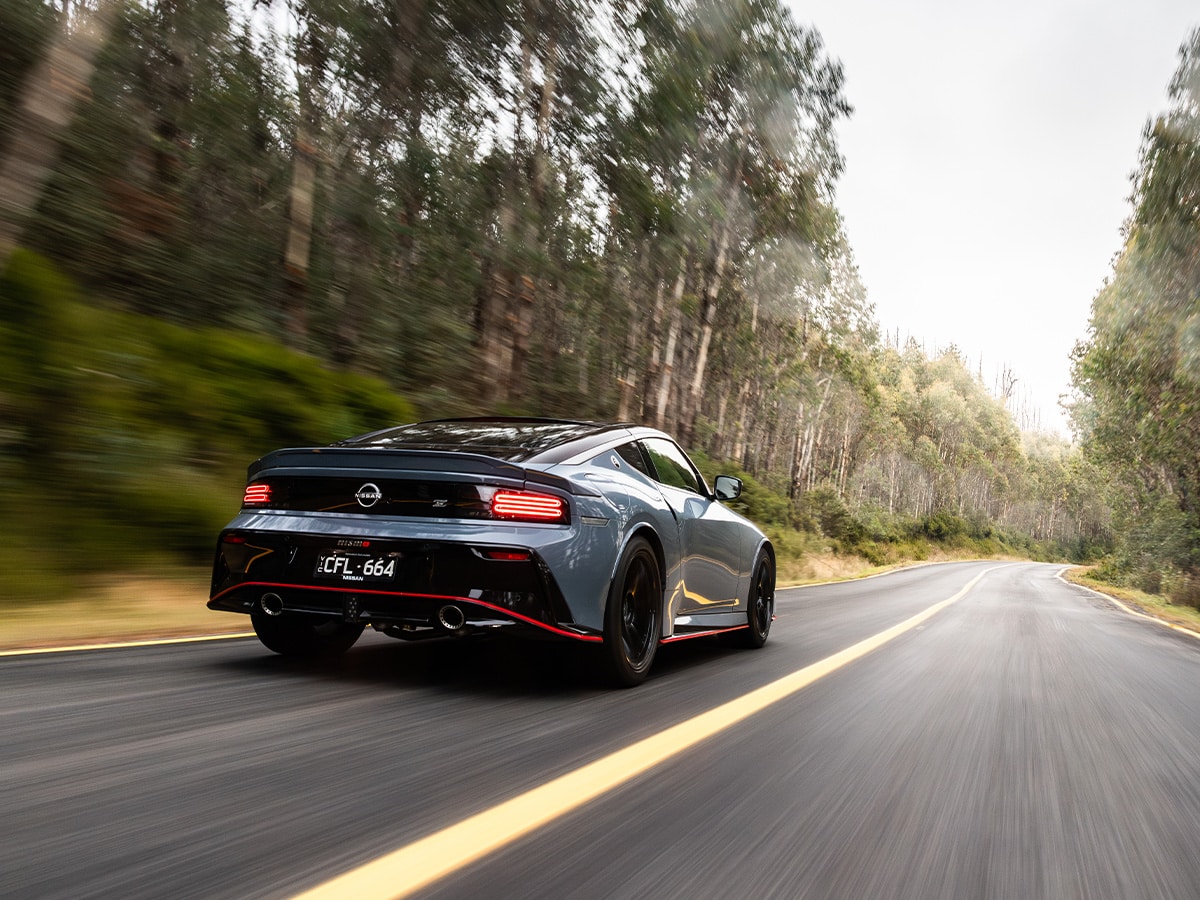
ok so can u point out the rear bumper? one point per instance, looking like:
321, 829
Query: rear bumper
408, 615
517, 591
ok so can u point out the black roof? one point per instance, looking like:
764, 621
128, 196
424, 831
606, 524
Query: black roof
513, 439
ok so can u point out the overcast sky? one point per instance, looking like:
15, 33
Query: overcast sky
988, 162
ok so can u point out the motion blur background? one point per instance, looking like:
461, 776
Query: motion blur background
228, 227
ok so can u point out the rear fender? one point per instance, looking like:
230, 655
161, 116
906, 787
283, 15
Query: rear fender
646, 531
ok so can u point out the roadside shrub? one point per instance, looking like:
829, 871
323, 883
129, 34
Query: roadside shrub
760, 504
944, 525
125, 437
1183, 589
1149, 581
38, 367
829, 510
880, 525
875, 554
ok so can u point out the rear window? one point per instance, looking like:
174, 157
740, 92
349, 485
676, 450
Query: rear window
632, 454
508, 440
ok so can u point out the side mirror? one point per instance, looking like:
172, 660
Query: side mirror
727, 487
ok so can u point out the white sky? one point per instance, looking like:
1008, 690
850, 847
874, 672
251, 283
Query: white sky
988, 163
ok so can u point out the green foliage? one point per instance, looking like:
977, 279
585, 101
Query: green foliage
648, 231
944, 526
827, 508
38, 336
759, 503
1138, 375
126, 437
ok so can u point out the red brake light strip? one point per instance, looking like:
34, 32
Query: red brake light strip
535, 507
256, 494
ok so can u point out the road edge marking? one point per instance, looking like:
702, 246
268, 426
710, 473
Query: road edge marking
429, 859
125, 645
1133, 612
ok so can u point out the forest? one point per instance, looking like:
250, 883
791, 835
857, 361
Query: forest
230, 226
1137, 374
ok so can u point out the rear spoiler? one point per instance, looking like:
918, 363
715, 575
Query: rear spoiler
365, 462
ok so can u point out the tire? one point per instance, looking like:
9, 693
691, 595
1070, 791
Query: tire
760, 609
633, 615
297, 634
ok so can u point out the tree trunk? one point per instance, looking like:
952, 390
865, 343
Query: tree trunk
506, 307
44, 111
299, 240
310, 58
668, 360
712, 291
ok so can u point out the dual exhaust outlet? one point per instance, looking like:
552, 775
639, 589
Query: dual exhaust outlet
450, 617
271, 604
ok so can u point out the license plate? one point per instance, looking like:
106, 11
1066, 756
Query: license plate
343, 566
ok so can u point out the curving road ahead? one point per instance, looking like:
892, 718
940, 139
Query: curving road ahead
1027, 740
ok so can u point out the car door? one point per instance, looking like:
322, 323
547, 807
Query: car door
711, 537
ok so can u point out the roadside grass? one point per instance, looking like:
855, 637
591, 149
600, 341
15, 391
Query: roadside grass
1149, 604
118, 608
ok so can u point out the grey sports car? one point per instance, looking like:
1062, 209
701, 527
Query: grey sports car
597, 533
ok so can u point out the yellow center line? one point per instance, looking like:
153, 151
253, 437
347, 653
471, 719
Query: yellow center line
403, 871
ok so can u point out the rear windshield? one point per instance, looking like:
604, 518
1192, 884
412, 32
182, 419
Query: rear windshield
511, 441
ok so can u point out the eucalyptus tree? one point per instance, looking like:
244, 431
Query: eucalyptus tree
549, 95
415, 75
724, 154
317, 28
41, 109
165, 197
835, 386
937, 441
766, 147
1138, 373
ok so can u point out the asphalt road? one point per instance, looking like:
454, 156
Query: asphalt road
1027, 741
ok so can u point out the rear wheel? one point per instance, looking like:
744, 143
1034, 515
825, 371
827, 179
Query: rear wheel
297, 634
761, 607
632, 616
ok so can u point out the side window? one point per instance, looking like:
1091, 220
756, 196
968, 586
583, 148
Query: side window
672, 466
632, 454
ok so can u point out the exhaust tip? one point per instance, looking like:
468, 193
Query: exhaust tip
451, 617
271, 604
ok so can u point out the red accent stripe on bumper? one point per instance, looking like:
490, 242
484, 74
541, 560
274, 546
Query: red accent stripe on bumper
508, 613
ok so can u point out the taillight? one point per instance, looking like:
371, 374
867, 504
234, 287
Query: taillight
257, 494
528, 507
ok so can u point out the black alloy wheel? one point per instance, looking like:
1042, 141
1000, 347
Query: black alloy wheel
760, 611
631, 619
298, 634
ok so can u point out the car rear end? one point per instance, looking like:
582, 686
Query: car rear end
416, 543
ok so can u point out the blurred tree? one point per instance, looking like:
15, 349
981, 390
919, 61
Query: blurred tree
317, 25
43, 110
550, 94
722, 156
1138, 374
538, 206
25, 28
